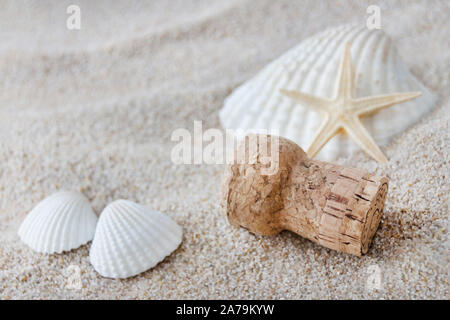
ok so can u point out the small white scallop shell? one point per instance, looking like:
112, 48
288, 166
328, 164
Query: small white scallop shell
61, 222
311, 67
131, 239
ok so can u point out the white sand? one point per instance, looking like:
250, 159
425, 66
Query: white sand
93, 110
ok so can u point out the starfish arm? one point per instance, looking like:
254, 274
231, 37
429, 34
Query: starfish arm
315, 103
368, 105
326, 131
345, 75
362, 137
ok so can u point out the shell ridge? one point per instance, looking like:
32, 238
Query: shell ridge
372, 46
83, 234
129, 218
101, 249
47, 227
89, 223
257, 101
65, 218
258, 78
370, 125
392, 60
99, 252
85, 221
247, 94
107, 246
115, 242
30, 220
152, 235
32, 236
155, 235
240, 97
274, 97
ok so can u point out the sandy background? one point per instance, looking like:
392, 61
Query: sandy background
93, 110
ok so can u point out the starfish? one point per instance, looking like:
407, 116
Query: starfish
343, 112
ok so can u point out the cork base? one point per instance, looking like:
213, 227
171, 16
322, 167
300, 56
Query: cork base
352, 212
374, 216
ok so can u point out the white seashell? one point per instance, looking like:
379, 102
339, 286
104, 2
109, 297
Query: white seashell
311, 67
131, 239
61, 222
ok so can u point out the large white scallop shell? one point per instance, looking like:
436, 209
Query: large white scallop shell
131, 239
311, 67
61, 222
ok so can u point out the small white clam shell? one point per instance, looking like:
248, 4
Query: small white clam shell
131, 239
61, 222
311, 67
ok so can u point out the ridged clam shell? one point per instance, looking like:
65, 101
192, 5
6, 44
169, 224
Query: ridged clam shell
131, 239
61, 222
311, 67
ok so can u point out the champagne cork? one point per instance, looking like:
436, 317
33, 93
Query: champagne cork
335, 206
